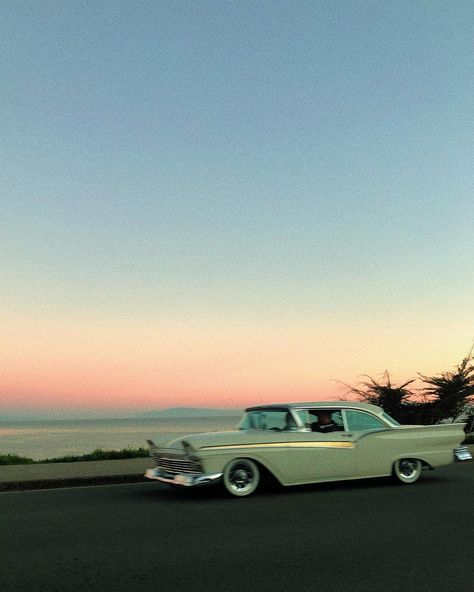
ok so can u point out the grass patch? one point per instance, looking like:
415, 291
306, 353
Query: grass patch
97, 454
469, 439
14, 459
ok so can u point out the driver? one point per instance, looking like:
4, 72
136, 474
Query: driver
324, 424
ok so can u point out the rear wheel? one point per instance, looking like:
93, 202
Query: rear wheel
241, 477
407, 470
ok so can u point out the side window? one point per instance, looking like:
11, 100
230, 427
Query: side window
268, 419
358, 421
331, 422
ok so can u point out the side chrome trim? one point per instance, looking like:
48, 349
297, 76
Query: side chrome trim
327, 444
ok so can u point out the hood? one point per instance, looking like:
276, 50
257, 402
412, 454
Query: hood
197, 441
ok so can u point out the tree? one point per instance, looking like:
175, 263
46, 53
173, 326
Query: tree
395, 400
447, 394
444, 397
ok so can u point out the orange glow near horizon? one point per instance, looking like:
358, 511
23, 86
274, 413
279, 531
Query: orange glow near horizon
102, 364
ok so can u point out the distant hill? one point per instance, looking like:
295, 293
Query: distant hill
191, 412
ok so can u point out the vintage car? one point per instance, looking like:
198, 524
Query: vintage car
300, 443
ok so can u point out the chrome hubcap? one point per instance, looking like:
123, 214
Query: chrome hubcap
241, 478
407, 468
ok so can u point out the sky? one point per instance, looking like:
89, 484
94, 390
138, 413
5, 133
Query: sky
227, 203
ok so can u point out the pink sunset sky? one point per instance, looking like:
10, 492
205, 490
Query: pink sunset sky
98, 365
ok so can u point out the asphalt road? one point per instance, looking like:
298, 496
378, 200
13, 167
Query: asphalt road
357, 536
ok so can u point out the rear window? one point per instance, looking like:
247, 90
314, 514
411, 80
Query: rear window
358, 421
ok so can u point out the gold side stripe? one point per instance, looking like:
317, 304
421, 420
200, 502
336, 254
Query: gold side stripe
282, 445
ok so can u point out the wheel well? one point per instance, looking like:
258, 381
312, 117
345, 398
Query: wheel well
266, 475
268, 478
424, 464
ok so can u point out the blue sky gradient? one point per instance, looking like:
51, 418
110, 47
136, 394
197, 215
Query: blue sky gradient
240, 160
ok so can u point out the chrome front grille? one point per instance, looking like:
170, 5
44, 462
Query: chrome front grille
175, 466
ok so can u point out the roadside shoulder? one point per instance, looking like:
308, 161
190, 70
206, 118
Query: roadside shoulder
72, 473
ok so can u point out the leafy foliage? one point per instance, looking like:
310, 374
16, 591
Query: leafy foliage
446, 394
394, 399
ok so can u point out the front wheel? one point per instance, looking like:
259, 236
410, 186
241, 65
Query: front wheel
407, 470
241, 477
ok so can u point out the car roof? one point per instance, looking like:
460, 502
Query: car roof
320, 405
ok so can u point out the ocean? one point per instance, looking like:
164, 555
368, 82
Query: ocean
48, 439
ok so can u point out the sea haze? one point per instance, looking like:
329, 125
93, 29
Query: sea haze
48, 439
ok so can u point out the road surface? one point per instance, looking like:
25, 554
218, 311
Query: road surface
358, 536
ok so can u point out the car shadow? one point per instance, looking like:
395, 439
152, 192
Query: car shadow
215, 492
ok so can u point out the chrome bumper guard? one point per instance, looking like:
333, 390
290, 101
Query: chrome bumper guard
462, 454
183, 480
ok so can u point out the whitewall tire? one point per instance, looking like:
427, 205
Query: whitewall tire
407, 470
241, 477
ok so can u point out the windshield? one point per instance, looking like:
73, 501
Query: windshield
268, 419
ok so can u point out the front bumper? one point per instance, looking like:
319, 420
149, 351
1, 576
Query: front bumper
182, 479
462, 454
